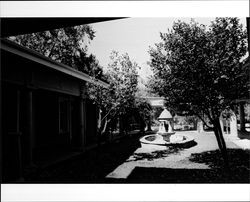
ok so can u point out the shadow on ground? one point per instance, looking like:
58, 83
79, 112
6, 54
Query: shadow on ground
161, 154
154, 155
244, 135
93, 166
166, 175
239, 162
238, 171
90, 167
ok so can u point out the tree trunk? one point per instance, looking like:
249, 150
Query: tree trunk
149, 126
221, 141
195, 122
142, 126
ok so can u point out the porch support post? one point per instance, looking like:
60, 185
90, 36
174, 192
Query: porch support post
15, 138
82, 120
29, 124
18, 136
1, 128
242, 116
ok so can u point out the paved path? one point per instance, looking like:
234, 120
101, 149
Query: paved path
206, 141
242, 143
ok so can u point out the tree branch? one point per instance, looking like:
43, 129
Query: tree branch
105, 126
201, 118
107, 114
51, 50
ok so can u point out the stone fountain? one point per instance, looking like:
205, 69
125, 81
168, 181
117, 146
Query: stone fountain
165, 136
166, 123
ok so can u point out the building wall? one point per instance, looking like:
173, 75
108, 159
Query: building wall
91, 123
42, 112
11, 132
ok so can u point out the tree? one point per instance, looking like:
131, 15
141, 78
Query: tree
69, 46
118, 101
145, 112
65, 45
198, 70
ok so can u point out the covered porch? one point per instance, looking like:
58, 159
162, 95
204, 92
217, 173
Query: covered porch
47, 115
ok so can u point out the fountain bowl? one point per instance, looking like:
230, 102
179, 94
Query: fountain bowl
162, 141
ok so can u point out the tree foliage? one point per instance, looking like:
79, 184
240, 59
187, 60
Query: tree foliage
197, 68
203, 63
119, 99
145, 112
65, 45
69, 46
144, 108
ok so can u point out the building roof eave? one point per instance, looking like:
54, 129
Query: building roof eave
242, 100
24, 52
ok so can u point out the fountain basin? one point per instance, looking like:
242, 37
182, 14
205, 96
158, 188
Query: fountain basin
158, 141
165, 137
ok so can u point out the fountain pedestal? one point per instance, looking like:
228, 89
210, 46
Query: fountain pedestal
166, 121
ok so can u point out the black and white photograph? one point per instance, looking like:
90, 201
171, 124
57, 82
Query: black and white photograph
125, 100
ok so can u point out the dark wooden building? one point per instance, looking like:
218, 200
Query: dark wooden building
45, 111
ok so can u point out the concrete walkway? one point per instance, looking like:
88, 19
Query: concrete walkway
242, 143
206, 141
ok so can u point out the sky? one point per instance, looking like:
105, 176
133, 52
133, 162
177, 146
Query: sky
133, 36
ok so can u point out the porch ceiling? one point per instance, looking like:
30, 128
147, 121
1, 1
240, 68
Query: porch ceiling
17, 26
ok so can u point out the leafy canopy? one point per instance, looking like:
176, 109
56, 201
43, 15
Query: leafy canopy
122, 76
197, 69
65, 45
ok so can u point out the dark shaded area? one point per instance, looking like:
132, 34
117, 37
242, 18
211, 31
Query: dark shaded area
167, 175
94, 165
239, 164
90, 167
238, 158
238, 172
172, 149
244, 135
17, 26
156, 154
166, 137
151, 138
185, 145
